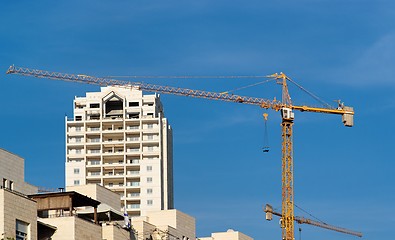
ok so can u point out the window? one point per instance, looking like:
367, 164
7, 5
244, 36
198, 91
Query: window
149, 168
133, 149
150, 137
11, 185
78, 140
78, 118
110, 184
5, 183
150, 148
134, 184
76, 171
134, 115
133, 206
149, 191
149, 179
94, 105
134, 161
21, 230
78, 129
134, 104
77, 106
150, 202
78, 151
149, 126
76, 182
95, 162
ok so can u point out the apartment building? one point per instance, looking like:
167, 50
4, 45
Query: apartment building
119, 138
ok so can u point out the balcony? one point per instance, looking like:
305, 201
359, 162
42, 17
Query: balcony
133, 162
93, 176
132, 173
133, 206
133, 196
132, 184
133, 139
91, 152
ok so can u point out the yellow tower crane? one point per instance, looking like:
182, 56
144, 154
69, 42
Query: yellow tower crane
285, 107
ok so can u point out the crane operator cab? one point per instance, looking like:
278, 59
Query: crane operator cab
287, 114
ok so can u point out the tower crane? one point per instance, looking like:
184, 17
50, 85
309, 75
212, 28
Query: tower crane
285, 107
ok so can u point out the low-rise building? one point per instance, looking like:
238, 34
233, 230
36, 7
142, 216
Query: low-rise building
165, 224
82, 212
18, 216
228, 235
12, 173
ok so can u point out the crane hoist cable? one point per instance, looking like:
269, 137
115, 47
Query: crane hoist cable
309, 93
265, 147
247, 86
319, 220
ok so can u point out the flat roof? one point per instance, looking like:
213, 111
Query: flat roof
56, 200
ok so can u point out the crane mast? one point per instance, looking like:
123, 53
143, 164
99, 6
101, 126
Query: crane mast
285, 107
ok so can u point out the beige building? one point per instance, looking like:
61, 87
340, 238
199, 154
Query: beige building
165, 224
18, 216
228, 235
60, 212
120, 139
12, 173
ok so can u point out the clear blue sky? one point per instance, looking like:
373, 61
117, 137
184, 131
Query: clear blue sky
337, 49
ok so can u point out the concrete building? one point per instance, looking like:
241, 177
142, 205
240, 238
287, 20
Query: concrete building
165, 224
228, 235
12, 173
120, 139
18, 217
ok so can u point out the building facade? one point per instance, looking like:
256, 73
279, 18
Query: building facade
18, 218
12, 173
119, 138
228, 235
166, 224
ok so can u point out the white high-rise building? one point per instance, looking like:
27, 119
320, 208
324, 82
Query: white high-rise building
120, 139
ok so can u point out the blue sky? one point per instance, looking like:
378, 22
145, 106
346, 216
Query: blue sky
336, 49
